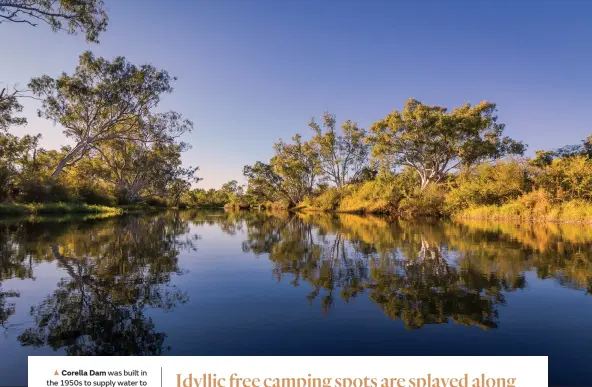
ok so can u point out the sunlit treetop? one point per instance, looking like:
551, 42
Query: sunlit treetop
72, 16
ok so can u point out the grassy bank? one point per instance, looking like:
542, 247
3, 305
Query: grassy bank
393, 197
534, 207
56, 208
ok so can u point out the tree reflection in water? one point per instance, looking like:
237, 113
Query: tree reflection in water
116, 269
421, 273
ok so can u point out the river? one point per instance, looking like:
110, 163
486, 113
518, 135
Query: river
257, 283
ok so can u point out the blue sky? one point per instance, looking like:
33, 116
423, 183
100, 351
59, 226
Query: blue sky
253, 71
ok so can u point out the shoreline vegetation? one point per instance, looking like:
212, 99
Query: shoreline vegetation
55, 208
61, 208
420, 161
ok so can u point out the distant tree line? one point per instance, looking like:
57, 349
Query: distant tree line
423, 161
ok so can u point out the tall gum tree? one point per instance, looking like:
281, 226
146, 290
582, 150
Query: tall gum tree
343, 155
263, 183
102, 101
298, 165
433, 141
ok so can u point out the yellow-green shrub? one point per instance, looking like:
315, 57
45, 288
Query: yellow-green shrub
428, 202
326, 201
488, 184
372, 196
567, 178
534, 206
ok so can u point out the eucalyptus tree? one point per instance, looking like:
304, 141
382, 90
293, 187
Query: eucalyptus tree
263, 183
133, 166
433, 141
72, 16
344, 155
103, 101
298, 164
173, 180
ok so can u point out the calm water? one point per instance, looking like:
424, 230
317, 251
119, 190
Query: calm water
250, 283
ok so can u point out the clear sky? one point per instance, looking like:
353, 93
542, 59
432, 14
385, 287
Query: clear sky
253, 71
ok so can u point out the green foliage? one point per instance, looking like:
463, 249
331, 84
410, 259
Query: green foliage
488, 184
44, 190
289, 177
327, 201
426, 202
9, 105
395, 194
371, 197
298, 165
534, 206
105, 101
433, 142
231, 193
568, 178
123, 149
155, 201
542, 159
54, 208
263, 183
72, 16
342, 156
92, 195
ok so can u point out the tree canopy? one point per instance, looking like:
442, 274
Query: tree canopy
72, 16
344, 155
107, 100
298, 165
433, 141
9, 105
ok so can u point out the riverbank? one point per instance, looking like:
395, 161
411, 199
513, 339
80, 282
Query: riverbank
563, 213
56, 208
532, 208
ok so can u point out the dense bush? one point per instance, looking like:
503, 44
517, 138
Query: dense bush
536, 205
371, 196
488, 184
155, 201
567, 178
44, 190
96, 195
327, 201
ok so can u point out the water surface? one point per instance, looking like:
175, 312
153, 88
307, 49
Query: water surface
255, 283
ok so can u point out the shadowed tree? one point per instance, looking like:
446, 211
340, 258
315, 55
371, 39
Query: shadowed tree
139, 168
9, 105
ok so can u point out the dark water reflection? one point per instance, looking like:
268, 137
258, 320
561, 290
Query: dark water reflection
200, 283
